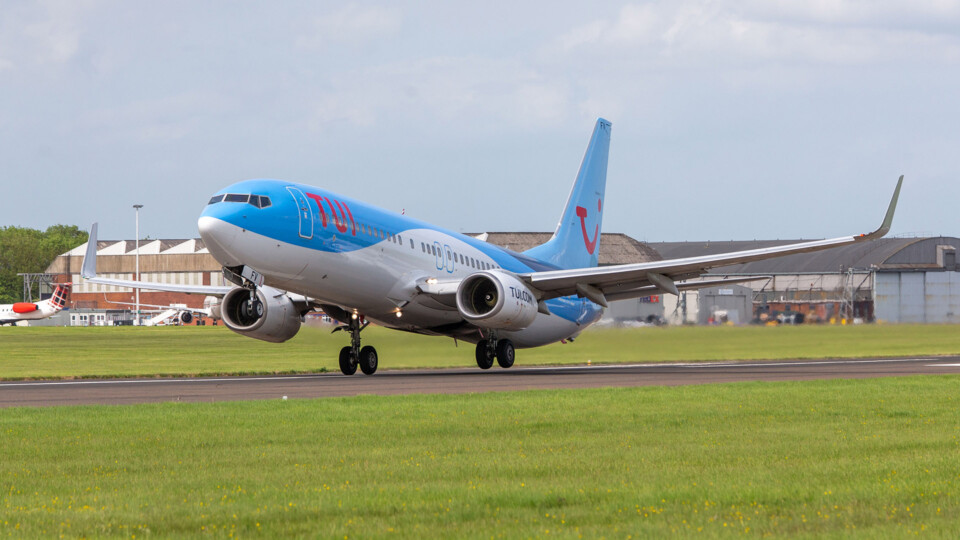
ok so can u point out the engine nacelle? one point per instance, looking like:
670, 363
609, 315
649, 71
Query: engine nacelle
496, 300
185, 317
271, 316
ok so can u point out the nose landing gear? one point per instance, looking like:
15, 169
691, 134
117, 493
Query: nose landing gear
353, 355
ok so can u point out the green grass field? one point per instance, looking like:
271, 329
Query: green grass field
84, 352
824, 459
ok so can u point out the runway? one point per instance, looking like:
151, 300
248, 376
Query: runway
454, 381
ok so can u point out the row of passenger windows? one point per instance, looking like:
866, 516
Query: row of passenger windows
430, 249
260, 201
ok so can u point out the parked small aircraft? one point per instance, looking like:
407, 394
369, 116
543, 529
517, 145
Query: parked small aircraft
167, 314
291, 248
30, 311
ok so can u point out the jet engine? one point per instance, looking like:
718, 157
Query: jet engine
496, 300
185, 317
268, 315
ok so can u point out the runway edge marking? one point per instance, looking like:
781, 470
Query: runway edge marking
579, 367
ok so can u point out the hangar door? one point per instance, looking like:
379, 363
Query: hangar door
917, 297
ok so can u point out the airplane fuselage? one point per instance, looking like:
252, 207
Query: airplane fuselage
33, 311
344, 252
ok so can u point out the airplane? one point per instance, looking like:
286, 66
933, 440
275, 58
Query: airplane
29, 311
290, 248
169, 313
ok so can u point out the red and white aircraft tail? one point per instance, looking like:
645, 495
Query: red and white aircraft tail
30, 311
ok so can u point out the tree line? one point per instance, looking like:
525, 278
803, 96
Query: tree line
24, 250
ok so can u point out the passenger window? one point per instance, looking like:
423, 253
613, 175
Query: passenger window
399, 239
423, 247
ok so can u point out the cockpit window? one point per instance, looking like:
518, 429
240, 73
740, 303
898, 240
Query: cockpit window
260, 201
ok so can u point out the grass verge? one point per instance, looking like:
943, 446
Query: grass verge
825, 459
44, 352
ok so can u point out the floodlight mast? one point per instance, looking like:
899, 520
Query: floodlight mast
137, 207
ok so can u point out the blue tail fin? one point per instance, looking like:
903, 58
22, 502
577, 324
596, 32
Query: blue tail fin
576, 242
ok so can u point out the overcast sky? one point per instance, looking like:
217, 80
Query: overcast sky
731, 120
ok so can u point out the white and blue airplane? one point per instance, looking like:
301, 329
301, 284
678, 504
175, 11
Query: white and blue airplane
292, 248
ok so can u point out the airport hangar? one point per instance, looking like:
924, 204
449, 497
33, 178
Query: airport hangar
898, 280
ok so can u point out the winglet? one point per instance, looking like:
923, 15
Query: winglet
887, 219
89, 267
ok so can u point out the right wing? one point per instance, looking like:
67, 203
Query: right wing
600, 284
88, 271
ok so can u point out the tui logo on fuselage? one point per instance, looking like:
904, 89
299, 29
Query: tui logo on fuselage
339, 220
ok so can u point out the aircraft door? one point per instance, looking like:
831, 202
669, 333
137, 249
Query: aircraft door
438, 250
304, 213
448, 260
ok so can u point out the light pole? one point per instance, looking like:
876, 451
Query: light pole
137, 207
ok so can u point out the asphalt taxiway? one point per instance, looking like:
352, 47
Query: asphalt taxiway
453, 381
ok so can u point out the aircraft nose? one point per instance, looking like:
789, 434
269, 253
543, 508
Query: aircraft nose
218, 236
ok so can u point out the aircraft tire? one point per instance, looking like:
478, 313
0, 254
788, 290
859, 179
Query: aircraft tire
368, 360
347, 365
484, 355
505, 353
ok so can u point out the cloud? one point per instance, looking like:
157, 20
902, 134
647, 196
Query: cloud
445, 88
352, 24
698, 33
43, 34
169, 118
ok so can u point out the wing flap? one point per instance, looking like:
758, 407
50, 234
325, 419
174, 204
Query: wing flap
647, 290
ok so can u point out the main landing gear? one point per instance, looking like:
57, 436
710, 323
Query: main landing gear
353, 355
501, 349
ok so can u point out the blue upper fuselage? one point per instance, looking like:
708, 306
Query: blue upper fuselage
335, 223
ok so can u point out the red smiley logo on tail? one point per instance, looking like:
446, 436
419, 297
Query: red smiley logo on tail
591, 245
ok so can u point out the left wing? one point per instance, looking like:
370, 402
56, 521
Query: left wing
634, 280
88, 271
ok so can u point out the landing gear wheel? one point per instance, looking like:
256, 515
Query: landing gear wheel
505, 353
348, 364
484, 354
368, 360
